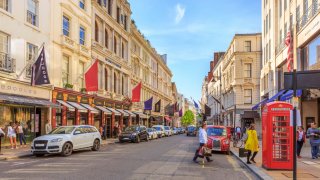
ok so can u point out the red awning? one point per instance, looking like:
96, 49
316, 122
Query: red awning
167, 118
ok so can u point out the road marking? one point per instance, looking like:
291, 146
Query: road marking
236, 166
309, 162
23, 163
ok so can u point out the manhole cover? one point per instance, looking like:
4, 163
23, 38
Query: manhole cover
300, 175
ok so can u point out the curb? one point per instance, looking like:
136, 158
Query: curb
255, 170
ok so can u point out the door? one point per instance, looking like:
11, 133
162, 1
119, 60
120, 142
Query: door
90, 132
77, 138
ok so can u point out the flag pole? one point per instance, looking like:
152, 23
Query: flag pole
33, 60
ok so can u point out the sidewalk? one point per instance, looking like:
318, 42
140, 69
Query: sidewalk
307, 168
7, 153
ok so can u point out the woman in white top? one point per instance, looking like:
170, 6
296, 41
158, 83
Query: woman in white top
12, 135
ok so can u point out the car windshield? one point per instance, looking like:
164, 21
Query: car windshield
150, 130
191, 128
166, 128
216, 131
132, 128
157, 128
62, 130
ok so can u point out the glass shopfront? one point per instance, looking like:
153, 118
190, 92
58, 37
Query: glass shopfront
83, 118
58, 117
97, 120
71, 118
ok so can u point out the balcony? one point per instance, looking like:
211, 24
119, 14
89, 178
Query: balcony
67, 41
312, 11
7, 63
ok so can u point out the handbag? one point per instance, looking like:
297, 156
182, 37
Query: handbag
206, 152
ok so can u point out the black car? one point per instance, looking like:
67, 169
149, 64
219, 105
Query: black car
134, 134
191, 131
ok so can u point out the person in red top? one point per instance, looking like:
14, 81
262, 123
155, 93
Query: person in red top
301, 138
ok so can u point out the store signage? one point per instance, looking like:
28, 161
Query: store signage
305, 80
110, 105
98, 102
60, 96
72, 98
118, 106
85, 100
126, 107
23, 90
280, 109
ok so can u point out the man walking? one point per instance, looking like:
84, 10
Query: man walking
314, 134
203, 142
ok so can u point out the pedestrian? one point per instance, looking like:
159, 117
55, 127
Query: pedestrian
12, 135
21, 136
252, 144
301, 138
203, 139
313, 135
238, 131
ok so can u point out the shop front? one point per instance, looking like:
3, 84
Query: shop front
27, 105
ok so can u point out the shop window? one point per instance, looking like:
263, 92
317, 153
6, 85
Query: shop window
71, 118
83, 118
58, 117
97, 120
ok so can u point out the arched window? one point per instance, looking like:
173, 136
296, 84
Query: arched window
122, 85
122, 50
106, 38
96, 31
106, 79
115, 45
115, 83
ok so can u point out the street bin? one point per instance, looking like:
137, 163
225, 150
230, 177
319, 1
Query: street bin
277, 141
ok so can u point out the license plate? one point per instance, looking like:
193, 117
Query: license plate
39, 145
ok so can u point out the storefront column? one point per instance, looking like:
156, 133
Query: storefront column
77, 117
103, 118
121, 122
90, 118
53, 115
112, 123
130, 121
64, 116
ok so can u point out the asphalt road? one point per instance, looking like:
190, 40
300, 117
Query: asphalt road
166, 158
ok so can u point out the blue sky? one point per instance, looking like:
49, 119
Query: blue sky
190, 31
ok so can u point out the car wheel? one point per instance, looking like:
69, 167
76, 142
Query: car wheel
66, 149
138, 139
96, 145
39, 155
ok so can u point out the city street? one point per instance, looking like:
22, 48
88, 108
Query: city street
166, 158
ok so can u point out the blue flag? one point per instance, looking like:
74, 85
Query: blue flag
195, 105
148, 104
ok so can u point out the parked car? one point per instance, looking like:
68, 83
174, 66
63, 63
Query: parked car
134, 133
66, 139
175, 131
191, 131
168, 131
152, 133
160, 130
219, 138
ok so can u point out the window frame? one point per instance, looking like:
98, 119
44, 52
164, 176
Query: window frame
66, 58
249, 70
66, 27
6, 5
246, 43
247, 96
82, 4
82, 40
32, 17
30, 57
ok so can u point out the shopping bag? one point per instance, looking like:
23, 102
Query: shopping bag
243, 152
207, 152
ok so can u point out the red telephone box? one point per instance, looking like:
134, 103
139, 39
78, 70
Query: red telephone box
277, 142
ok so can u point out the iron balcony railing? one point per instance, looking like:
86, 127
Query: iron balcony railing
308, 15
7, 63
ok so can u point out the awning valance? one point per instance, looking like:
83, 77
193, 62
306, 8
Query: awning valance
264, 101
141, 115
125, 114
289, 94
23, 100
276, 96
92, 110
78, 106
116, 113
104, 110
130, 113
70, 108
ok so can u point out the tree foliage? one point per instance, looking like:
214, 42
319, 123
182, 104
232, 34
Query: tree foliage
188, 118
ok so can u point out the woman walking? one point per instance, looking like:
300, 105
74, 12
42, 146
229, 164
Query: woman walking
12, 135
301, 138
22, 138
252, 144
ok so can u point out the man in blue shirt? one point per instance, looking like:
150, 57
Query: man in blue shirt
203, 139
314, 134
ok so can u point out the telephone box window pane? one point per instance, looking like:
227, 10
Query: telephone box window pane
280, 135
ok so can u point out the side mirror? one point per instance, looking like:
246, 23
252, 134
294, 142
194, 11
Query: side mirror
77, 132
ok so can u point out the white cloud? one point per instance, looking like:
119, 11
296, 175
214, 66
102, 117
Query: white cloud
179, 13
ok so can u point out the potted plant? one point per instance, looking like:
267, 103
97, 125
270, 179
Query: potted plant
83, 90
68, 86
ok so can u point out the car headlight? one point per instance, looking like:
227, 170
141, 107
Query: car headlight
56, 140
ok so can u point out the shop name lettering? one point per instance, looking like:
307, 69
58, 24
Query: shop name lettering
280, 109
17, 89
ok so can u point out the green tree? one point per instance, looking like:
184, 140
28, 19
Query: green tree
188, 118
